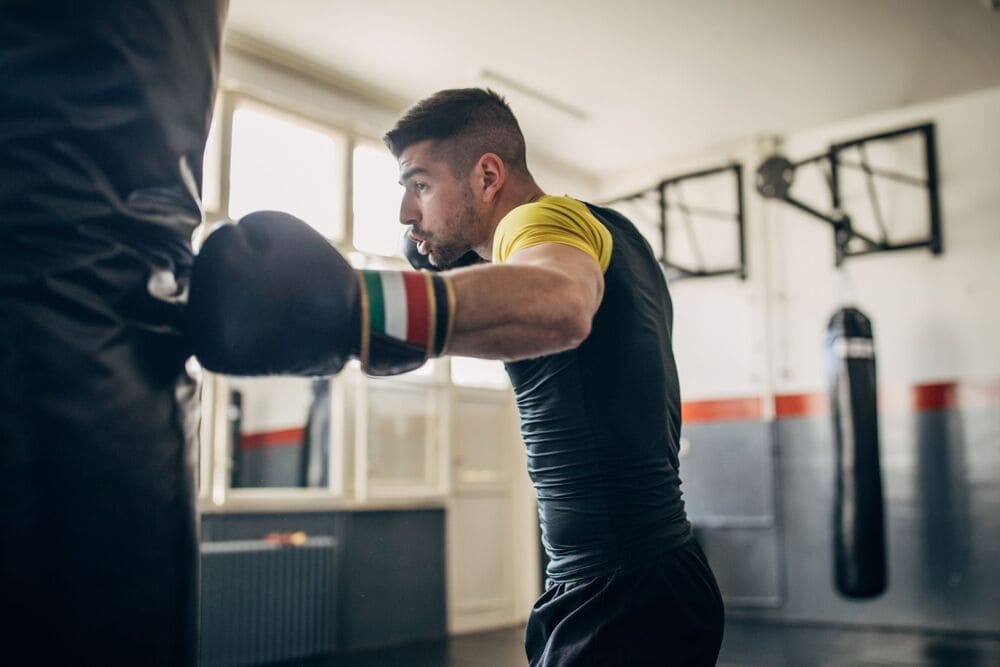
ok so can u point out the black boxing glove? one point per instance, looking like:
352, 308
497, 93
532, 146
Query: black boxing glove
269, 295
423, 262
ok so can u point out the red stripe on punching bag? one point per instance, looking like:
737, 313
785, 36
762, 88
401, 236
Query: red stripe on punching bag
417, 308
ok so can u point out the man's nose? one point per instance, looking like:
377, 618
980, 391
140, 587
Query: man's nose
408, 213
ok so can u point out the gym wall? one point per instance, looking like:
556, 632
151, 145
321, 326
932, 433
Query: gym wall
758, 470
758, 466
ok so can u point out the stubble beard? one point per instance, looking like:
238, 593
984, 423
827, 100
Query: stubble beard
459, 227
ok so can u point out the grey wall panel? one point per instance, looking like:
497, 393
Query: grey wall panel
269, 467
728, 470
394, 579
940, 471
746, 564
728, 474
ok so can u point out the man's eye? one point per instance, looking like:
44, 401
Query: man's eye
420, 187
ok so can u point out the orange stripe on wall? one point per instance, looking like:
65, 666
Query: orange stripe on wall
954, 395
283, 438
919, 398
800, 405
979, 393
937, 396
729, 409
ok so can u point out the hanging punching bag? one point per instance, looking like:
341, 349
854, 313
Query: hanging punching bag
858, 528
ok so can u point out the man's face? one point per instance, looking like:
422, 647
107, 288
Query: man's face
438, 207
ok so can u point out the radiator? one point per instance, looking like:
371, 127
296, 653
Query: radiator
262, 602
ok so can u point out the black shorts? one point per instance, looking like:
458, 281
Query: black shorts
667, 611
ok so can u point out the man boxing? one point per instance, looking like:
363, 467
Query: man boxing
573, 300
105, 106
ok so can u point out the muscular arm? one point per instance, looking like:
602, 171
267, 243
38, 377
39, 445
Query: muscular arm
541, 301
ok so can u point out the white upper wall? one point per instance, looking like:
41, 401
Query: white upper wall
279, 77
934, 317
645, 79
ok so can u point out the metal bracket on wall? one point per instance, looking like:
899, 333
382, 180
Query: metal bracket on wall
669, 200
776, 174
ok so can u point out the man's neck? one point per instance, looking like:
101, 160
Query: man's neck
510, 198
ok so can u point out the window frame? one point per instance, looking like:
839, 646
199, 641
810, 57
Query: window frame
349, 483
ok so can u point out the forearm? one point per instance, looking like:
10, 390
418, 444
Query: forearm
515, 312
269, 295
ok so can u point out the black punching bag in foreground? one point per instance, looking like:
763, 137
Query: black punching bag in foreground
858, 530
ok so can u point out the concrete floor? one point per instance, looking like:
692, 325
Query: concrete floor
745, 644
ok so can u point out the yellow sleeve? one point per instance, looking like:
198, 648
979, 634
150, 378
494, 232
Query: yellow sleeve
552, 220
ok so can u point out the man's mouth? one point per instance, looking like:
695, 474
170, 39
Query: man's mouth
421, 244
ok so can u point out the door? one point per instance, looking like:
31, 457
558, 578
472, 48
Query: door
484, 545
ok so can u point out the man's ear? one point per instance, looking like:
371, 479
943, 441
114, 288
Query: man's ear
490, 175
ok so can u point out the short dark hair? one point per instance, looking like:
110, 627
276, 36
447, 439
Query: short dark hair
474, 121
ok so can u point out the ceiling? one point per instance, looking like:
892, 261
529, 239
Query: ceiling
644, 80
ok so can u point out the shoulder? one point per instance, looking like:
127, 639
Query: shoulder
562, 220
550, 209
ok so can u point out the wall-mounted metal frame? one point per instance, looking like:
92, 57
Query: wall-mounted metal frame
776, 174
669, 199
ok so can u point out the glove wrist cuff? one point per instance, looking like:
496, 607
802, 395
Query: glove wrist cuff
407, 317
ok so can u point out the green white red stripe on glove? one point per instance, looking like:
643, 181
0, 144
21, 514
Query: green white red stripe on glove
406, 318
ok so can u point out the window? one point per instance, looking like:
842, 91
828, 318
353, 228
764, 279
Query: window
211, 197
277, 439
469, 372
401, 440
279, 432
284, 163
376, 199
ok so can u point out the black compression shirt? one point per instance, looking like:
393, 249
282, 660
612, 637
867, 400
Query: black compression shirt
602, 423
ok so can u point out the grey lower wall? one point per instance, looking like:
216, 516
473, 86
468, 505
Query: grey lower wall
941, 482
729, 489
391, 576
760, 495
269, 467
